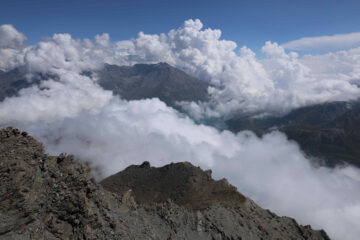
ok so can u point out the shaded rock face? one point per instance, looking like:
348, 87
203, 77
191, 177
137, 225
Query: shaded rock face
183, 183
160, 80
54, 197
337, 140
329, 131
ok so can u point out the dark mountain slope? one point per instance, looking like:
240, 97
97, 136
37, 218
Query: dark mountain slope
12, 82
329, 131
337, 140
309, 116
53, 197
185, 184
160, 80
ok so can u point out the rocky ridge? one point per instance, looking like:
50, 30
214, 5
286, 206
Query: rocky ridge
54, 197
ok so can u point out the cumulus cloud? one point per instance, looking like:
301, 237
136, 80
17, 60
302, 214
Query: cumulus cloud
10, 37
11, 44
62, 52
334, 42
53, 100
241, 82
341, 65
70, 113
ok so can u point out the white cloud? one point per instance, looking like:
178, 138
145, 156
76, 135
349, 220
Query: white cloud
10, 37
341, 65
10, 58
334, 42
11, 44
278, 83
242, 82
54, 100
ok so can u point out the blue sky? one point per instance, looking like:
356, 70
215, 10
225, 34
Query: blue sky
248, 23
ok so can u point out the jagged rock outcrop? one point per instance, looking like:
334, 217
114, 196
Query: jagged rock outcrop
182, 183
54, 197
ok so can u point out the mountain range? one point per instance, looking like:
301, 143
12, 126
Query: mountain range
328, 131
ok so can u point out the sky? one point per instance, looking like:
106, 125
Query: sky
249, 23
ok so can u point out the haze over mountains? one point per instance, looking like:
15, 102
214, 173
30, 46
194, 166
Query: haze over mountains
60, 102
328, 131
136, 82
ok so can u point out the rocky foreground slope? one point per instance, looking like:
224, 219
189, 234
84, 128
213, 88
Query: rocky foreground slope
54, 197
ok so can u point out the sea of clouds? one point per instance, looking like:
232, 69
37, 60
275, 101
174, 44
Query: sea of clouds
71, 113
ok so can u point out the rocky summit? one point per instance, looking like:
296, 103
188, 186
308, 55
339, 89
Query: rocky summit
55, 197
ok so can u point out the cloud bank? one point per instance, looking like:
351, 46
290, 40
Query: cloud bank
11, 47
241, 82
71, 113
334, 42
271, 170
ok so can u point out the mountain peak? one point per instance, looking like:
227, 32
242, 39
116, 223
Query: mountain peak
160, 80
183, 183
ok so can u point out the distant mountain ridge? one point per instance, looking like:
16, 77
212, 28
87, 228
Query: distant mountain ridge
139, 81
13, 81
330, 130
160, 80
